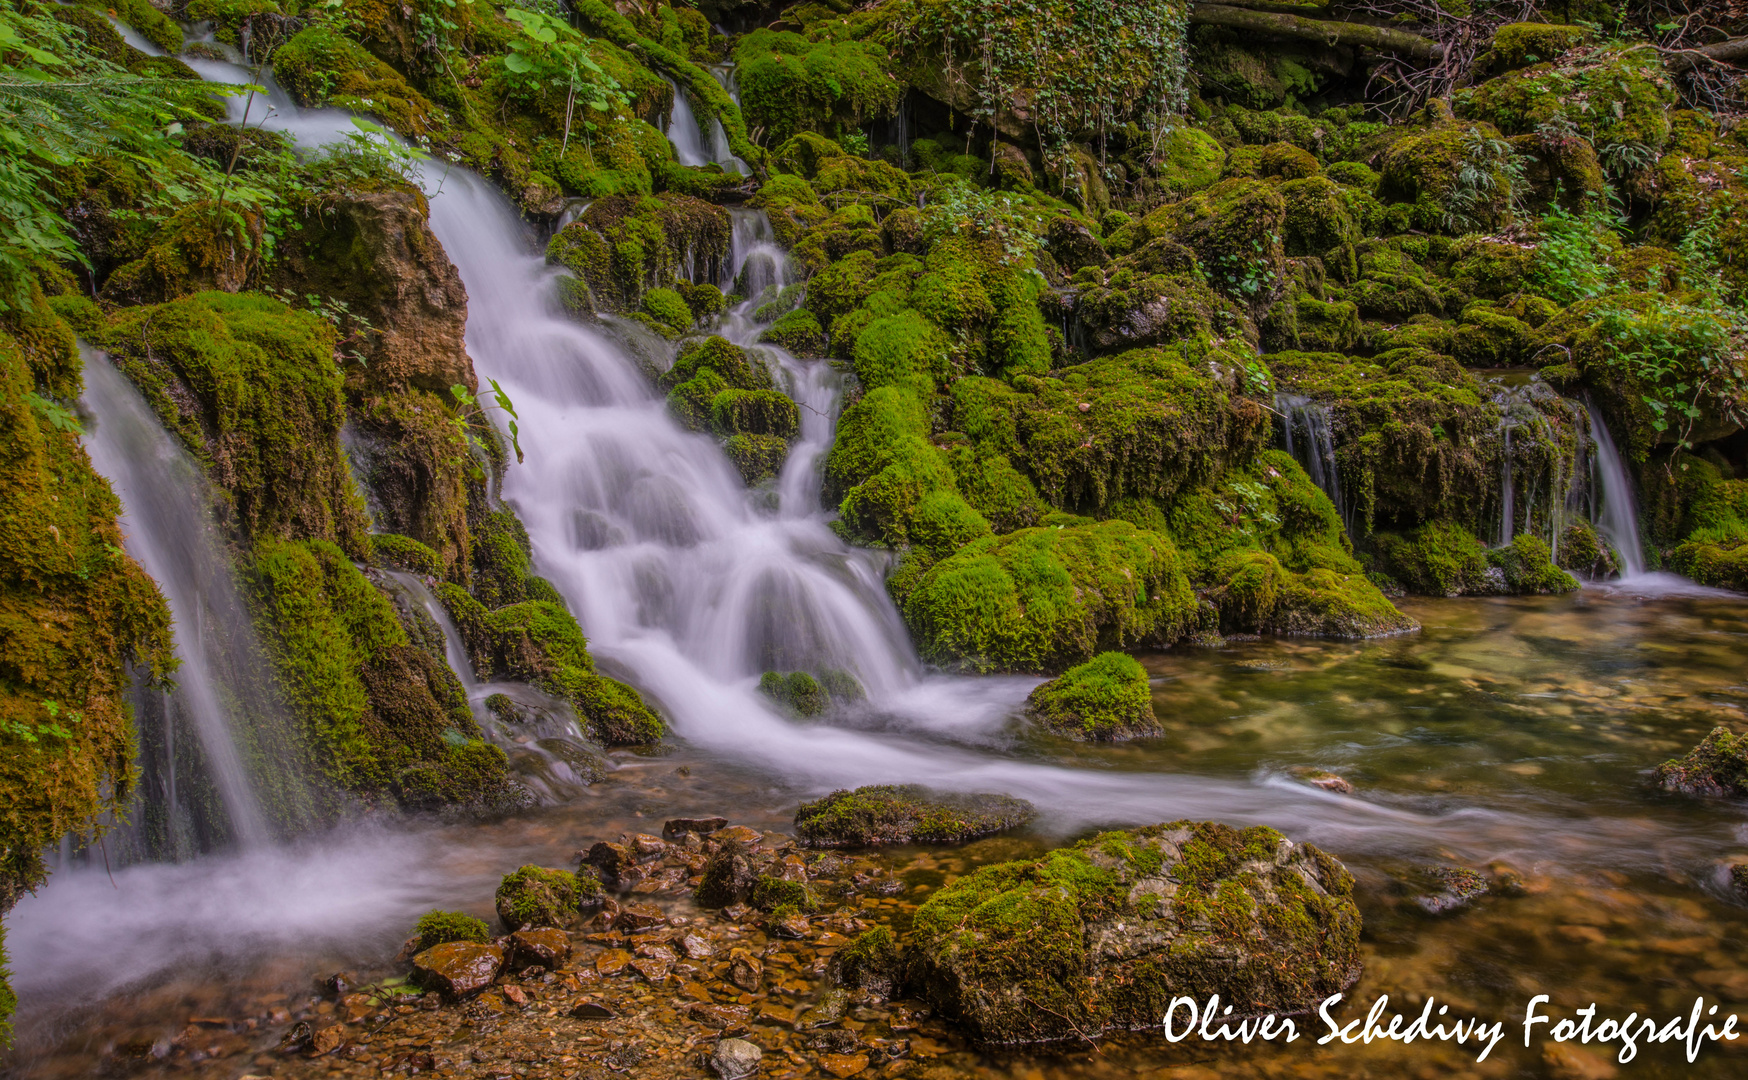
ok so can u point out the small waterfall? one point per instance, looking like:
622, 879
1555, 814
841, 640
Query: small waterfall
133, 37
165, 500
683, 130
1618, 516
757, 264
717, 144
1310, 439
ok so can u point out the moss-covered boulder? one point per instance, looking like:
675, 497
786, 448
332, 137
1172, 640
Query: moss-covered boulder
796, 691
540, 642
1105, 934
1717, 766
1106, 699
625, 245
441, 927
873, 962
540, 896
906, 814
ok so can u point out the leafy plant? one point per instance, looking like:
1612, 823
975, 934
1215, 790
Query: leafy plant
551, 54
471, 409
1570, 262
960, 208
1489, 183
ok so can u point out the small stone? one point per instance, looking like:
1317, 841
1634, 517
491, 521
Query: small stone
739, 834
296, 1040
357, 1007
745, 970
792, 927
1451, 887
843, 1065
612, 962
341, 983
634, 917
1323, 778
614, 863
654, 970
829, 1010
696, 948
459, 968
675, 828
737, 912
646, 845
592, 1010
516, 994
735, 1058
720, 1016
544, 946
327, 1040
697, 991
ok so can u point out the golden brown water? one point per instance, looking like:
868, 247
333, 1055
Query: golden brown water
1507, 734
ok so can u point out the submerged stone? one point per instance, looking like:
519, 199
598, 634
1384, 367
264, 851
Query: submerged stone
459, 968
1448, 888
1104, 934
903, 814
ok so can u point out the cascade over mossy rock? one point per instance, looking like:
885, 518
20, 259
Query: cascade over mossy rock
1104, 934
903, 814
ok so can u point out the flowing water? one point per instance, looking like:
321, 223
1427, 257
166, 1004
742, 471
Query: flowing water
1307, 434
1618, 516
1512, 731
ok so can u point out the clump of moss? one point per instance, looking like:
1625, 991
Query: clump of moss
626, 245
1529, 568
756, 457
405, 553
537, 896
441, 927
799, 332
539, 641
1585, 554
1439, 558
8, 999
1717, 766
872, 962
791, 84
888, 814
1106, 699
1186, 908
772, 893
797, 691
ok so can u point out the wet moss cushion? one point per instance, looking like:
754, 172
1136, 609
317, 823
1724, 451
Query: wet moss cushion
902, 814
1104, 934
1106, 699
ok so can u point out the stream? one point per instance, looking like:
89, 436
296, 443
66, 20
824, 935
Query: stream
1517, 732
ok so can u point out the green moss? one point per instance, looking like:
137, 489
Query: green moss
773, 893
1438, 559
405, 553
1106, 699
1717, 766
901, 814
1517, 44
1191, 160
668, 309
533, 896
441, 927
1529, 568
321, 66
1448, 178
799, 332
1048, 598
252, 389
1616, 94
1190, 908
153, 25
755, 412
538, 641
625, 245
873, 962
757, 457
75, 611
797, 691
731, 364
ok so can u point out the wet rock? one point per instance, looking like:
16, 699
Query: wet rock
459, 968
696, 948
648, 846
739, 834
829, 1010
1323, 778
515, 995
843, 1065
733, 1059
327, 1040
615, 864
639, 917
1717, 766
591, 1010
544, 946
745, 970
728, 878
1091, 937
788, 924
588, 766
834, 1041
654, 970
612, 961
1448, 888
538, 896
872, 962
902, 814
341, 983
1739, 879
721, 1016
1073, 245
296, 1040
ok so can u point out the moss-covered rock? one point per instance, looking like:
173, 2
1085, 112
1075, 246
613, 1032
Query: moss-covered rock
872, 962
538, 896
441, 927
756, 457
1717, 766
540, 642
1106, 699
799, 332
1047, 598
1106, 933
797, 691
1529, 568
904, 814
624, 245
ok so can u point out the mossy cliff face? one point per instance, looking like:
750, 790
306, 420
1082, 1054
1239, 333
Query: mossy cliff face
1106, 933
75, 610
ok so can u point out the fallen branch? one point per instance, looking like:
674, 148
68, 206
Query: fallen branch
1724, 52
1376, 39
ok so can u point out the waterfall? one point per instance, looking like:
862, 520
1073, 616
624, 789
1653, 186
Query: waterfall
221, 688
683, 130
1618, 516
1311, 441
720, 151
757, 264
133, 37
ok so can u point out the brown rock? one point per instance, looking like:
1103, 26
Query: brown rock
745, 970
516, 994
544, 946
654, 970
639, 917
793, 927
356, 1007
648, 846
679, 827
739, 834
616, 864
696, 948
728, 878
592, 1010
327, 1040
722, 1016
843, 1065
612, 962
459, 968
697, 991
654, 951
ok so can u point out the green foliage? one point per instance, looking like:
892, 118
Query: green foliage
535, 896
790, 84
961, 209
550, 53
1571, 261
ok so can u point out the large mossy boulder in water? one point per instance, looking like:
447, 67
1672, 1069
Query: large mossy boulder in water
1717, 766
1104, 934
1106, 699
539, 896
904, 814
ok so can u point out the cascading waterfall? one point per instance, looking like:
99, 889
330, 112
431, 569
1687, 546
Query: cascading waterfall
1308, 436
202, 790
1617, 518
683, 130
720, 151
